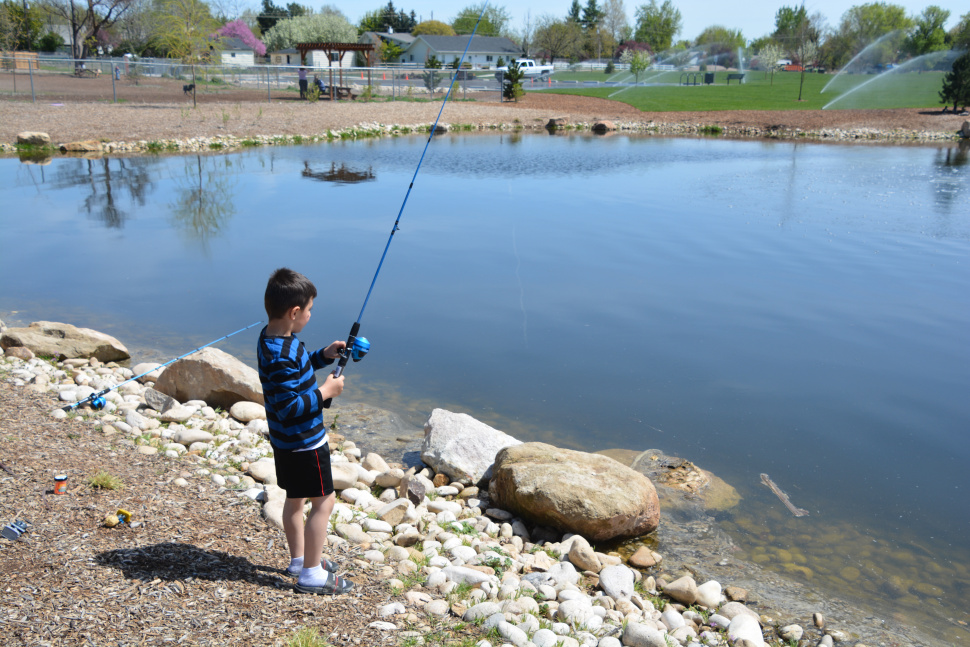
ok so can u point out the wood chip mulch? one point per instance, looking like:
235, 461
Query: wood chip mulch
203, 568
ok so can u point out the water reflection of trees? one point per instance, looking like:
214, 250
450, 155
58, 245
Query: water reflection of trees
951, 180
341, 175
204, 196
115, 186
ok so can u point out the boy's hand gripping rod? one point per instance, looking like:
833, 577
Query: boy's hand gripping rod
97, 399
357, 347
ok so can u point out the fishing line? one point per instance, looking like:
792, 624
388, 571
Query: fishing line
357, 347
97, 399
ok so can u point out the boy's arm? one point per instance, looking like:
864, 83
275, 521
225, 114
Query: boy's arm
325, 356
286, 395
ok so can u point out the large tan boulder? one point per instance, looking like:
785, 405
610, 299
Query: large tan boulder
587, 494
64, 341
87, 146
211, 375
32, 138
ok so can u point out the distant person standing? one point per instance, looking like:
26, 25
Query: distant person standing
117, 73
303, 83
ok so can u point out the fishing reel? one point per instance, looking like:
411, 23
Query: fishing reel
359, 348
98, 403
355, 349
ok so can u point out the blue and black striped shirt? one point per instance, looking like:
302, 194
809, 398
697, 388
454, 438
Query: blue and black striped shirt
294, 407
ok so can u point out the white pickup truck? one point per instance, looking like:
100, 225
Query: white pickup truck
528, 68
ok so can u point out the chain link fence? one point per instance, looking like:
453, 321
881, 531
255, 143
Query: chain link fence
36, 78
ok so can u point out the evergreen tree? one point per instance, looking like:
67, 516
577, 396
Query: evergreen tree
575, 12
956, 83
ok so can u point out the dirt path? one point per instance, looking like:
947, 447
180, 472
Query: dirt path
162, 118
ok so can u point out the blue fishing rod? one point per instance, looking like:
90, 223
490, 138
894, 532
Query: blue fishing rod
357, 347
97, 399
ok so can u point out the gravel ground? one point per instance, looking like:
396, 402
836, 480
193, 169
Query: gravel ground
79, 117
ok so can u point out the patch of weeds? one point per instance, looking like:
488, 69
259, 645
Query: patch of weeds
155, 147
333, 425
249, 143
306, 637
711, 129
460, 592
105, 481
432, 495
216, 145
297, 139
499, 564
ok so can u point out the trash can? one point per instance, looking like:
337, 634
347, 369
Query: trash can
708, 78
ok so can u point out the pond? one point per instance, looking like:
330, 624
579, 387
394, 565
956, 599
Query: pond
788, 308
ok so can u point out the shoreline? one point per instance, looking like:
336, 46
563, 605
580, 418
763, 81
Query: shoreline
173, 128
691, 543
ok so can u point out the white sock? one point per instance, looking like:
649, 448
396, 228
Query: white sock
296, 562
315, 576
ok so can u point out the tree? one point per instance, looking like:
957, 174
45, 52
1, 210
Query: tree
592, 15
657, 25
21, 25
960, 35
387, 18
186, 30
639, 62
768, 57
433, 28
87, 21
315, 28
928, 34
561, 38
50, 42
512, 82
863, 25
494, 21
270, 15
956, 83
388, 51
239, 29
575, 13
615, 22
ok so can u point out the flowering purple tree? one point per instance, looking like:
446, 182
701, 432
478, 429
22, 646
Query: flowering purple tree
239, 29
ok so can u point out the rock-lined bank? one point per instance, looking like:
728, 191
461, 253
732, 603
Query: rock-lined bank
439, 546
131, 128
368, 130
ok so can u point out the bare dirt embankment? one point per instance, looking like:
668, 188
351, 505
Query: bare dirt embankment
166, 114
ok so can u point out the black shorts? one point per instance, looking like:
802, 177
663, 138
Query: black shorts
304, 474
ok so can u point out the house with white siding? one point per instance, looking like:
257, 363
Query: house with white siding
233, 51
483, 52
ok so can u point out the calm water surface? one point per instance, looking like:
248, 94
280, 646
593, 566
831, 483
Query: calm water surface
795, 309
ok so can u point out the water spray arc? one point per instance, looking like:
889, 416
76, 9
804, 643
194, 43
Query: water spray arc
97, 399
357, 347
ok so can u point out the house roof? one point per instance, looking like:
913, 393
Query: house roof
479, 44
401, 37
233, 43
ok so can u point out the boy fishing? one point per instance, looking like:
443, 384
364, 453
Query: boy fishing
294, 412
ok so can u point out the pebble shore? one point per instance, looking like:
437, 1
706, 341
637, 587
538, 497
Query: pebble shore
446, 555
369, 130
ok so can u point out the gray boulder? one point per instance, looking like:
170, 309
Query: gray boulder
63, 341
587, 494
211, 375
461, 447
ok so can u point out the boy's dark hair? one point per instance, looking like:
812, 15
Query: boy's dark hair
285, 290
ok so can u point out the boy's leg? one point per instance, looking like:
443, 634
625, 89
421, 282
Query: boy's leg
293, 526
315, 532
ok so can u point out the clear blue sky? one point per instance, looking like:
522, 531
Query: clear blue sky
755, 21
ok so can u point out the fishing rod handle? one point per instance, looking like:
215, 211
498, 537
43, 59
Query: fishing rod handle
344, 356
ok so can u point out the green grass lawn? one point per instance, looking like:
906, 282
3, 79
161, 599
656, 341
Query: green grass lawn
891, 90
